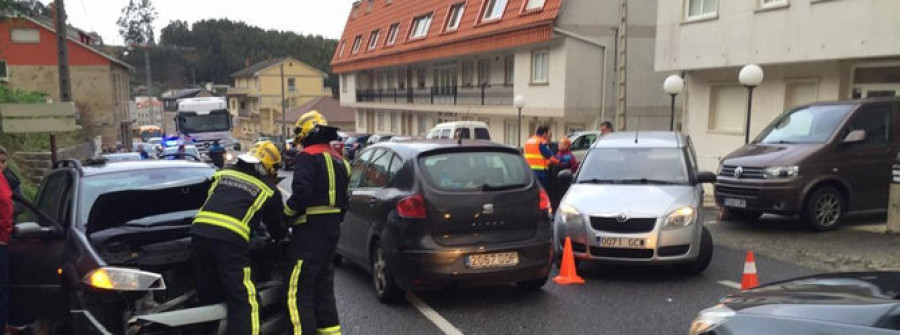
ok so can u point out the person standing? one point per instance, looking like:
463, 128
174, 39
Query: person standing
539, 155
144, 154
217, 154
566, 158
15, 184
314, 211
6, 226
240, 197
606, 128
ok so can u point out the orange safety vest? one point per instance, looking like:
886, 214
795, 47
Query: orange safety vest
533, 154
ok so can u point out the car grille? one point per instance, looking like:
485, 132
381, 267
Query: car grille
632, 225
736, 191
676, 250
747, 172
622, 253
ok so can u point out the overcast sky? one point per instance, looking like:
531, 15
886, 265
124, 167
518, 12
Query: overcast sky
317, 17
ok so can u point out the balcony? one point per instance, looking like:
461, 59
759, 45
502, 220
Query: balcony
484, 95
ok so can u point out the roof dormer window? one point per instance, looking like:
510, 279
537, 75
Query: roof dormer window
420, 26
455, 16
493, 10
356, 43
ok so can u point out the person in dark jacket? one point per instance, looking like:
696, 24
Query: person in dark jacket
15, 184
6, 226
314, 211
240, 197
217, 154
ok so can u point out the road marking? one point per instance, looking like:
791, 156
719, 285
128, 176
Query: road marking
730, 284
432, 315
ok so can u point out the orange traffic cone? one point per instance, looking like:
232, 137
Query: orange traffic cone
567, 271
749, 280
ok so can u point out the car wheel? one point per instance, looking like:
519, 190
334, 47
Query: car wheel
742, 215
385, 287
824, 209
533, 284
703, 258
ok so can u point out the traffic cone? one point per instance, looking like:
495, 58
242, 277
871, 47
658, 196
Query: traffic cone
567, 272
749, 280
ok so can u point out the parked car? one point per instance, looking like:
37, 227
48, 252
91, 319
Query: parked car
819, 161
582, 142
466, 130
353, 144
426, 214
845, 303
378, 138
637, 199
103, 244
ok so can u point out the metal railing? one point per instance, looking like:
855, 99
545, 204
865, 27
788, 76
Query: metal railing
484, 95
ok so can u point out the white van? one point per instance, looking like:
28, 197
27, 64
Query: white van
467, 130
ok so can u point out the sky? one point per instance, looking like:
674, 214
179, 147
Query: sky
317, 17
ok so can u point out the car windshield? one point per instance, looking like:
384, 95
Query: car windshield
173, 150
470, 171
123, 157
813, 124
217, 120
96, 185
634, 166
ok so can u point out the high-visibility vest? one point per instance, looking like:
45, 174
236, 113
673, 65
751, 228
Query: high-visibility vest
533, 155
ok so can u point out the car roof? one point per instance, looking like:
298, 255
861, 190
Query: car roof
642, 139
414, 147
126, 166
461, 124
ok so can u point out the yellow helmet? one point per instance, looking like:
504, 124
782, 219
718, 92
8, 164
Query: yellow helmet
265, 154
307, 123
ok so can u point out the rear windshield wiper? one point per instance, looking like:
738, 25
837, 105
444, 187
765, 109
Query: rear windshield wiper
489, 187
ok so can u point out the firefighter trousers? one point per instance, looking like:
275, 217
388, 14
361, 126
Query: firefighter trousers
309, 283
223, 275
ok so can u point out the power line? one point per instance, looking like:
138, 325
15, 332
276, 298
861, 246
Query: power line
87, 16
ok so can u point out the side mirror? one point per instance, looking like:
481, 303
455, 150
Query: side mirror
565, 179
855, 136
706, 177
28, 230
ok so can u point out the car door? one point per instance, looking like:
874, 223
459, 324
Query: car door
867, 165
370, 197
352, 228
582, 144
36, 281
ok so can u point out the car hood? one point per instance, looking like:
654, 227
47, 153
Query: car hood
763, 155
118, 208
861, 298
633, 200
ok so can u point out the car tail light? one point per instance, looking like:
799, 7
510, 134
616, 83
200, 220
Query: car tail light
412, 207
545, 201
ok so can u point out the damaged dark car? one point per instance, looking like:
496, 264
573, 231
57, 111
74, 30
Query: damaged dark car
105, 248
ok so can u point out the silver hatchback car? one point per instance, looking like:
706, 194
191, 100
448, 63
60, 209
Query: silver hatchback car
637, 199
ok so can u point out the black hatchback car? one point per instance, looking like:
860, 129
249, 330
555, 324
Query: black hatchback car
427, 214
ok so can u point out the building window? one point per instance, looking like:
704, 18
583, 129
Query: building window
532, 5
420, 26
392, 34
540, 65
420, 76
341, 50
484, 72
380, 120
360, 120
493, 9
468, 73
401, 79
356, 43
393, 122
369, 6
772, 3
4, 71
509, 66
726, 108
25, 35
701, 9
373, 39
292, 85
455, 16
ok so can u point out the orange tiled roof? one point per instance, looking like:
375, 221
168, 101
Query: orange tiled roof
515, 28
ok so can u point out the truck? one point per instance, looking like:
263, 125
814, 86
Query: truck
202, 121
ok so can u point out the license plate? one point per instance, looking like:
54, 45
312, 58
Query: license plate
739, 203
622, 242
495, 260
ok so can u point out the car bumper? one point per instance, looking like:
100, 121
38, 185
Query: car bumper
660, 247
781, 197
423, 269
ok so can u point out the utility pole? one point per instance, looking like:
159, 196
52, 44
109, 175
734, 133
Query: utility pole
65, 81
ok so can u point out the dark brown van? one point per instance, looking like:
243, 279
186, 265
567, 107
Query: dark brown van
817, 161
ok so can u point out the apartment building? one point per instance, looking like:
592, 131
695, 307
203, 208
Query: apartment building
810, 50
406, 66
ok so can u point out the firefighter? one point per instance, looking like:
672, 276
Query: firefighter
314, 211
240, 197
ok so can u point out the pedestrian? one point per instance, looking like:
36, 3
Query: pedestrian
14, 182
144, 154
6, 226
315, 211
217, 154
539, 155
241, 196
605, 128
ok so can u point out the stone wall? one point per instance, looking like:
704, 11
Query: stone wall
36, 165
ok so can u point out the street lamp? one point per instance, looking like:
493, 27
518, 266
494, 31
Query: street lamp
750, 76
519, 102
673, 87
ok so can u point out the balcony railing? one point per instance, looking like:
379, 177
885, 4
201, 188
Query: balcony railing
485, 95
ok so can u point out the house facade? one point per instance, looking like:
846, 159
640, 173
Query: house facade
810, 50
255, 99
100, 85
407, 66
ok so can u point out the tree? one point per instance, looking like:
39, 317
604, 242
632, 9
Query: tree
136, 22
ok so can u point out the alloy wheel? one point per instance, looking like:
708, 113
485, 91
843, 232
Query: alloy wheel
828, 210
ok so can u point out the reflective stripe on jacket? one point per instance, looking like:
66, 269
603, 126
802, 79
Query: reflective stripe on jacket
317, 184
234, 200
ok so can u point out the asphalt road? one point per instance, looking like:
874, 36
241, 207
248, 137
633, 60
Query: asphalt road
614, 300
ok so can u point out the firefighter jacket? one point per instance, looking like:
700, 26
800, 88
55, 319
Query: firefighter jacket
238, 200
320, 185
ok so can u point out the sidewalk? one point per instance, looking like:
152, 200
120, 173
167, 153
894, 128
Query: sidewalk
861, 245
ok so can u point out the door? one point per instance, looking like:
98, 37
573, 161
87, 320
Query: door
867, 165
35, 283
352, 226
367, 201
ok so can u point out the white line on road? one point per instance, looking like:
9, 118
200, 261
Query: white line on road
730, 284
432, 315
